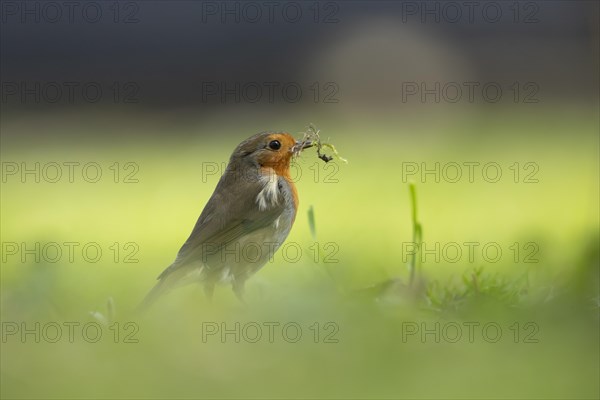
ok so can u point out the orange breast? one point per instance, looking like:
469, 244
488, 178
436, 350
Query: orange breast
283, 171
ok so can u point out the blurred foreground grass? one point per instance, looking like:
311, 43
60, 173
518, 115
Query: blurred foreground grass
547, 310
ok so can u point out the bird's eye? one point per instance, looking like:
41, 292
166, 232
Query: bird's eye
274, 145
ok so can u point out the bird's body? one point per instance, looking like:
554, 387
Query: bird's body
247, 218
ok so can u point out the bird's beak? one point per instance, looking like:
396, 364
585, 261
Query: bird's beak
302, 145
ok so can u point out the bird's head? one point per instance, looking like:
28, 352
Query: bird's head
272, 150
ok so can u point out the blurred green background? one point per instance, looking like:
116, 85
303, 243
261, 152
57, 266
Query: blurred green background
365, 332
366, 215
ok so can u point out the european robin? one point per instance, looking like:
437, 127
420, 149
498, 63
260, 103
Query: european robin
247, 218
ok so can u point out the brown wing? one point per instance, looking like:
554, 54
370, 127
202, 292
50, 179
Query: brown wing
223, 221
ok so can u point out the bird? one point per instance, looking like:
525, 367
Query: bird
247, 218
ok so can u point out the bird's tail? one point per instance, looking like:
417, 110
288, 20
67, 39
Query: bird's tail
157, 291
170, 279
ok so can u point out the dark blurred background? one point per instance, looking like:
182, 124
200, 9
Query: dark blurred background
200, 57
